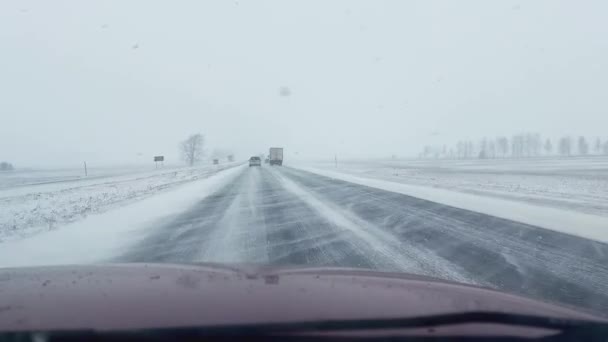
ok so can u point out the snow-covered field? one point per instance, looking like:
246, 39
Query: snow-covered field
579, 184
52, 218
104, 235
24, 177
565, 194
33, 201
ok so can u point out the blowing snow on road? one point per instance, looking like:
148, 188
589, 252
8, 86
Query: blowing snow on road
457, 146
285, 216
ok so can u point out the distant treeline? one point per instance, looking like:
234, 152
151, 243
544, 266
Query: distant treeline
6, 166
519, 146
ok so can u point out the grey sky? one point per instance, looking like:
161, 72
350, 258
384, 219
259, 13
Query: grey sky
105, 80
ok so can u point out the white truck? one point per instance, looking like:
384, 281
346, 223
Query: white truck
276, 156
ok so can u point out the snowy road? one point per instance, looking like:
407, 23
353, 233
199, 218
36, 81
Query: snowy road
285, 216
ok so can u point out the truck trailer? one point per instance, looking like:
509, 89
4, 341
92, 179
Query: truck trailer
276, 156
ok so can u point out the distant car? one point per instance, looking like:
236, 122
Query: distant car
255, 161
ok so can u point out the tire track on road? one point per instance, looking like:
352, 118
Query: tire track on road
282, 216
387, 248
297, 235
503, 254
180, 239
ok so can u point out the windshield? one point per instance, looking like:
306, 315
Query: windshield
461, 140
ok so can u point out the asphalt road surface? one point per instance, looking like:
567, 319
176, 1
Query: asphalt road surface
284, 216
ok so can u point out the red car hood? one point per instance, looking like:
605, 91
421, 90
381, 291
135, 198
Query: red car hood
133, 296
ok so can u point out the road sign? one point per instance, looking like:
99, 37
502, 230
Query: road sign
160, 159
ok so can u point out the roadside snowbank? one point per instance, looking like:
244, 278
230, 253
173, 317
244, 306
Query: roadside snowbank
103, 236
28, 177
575, 223
35, 208
573, 184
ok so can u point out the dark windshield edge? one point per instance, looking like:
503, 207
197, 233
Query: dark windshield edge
566, 327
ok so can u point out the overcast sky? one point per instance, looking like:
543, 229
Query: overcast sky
105, 80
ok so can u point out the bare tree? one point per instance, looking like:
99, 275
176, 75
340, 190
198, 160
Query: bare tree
427, 152
483, 149
548, 147
536, 144
469, 149
520, 145
502, 146
491, 149
436, 153
517, 146
460, 150
583, 146
6, 166
525, 145
192, 148
597, 147
565, 146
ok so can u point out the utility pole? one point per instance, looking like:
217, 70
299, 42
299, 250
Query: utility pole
85, 169
336, 159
